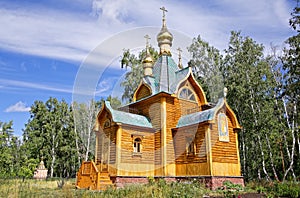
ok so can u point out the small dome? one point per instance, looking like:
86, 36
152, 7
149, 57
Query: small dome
148, 59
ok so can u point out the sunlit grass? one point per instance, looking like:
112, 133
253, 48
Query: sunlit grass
159, 189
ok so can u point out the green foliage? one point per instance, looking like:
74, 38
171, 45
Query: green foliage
251, 85
230, 189
114, 102
159, 189
295, 20
285, 189
10, 151
151, 180
277, 189
206, 64
49, 188
50, 134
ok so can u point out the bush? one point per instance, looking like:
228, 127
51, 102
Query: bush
230, 189
286, 189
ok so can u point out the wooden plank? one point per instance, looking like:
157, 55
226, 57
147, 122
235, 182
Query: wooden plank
225, 169
224, 152
192, 169
142, 92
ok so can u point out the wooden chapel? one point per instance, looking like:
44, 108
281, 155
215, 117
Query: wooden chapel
169, 131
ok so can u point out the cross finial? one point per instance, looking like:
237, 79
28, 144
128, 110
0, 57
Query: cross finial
164, 15
179, 58
147, 37
179, 51
164, 11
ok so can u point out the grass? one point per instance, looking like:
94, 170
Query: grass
49, 188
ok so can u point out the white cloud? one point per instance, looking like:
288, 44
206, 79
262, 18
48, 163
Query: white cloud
18, 107
23, 84
105, 85
71, 36
50, 33
110, 11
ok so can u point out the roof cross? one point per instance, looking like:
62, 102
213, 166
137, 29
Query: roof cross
179, 58
164, 15
179, 51
147, 37
164, 11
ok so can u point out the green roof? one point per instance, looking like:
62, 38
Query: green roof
166, 75
128, 118
199, 117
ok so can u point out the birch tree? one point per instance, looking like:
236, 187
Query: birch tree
291, 92
49, 135
85, 115
248, 78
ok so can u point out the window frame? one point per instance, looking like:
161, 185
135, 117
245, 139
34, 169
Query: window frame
137, 145
189, 94
135, 151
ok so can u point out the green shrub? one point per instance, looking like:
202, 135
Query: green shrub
230, 189
286, 189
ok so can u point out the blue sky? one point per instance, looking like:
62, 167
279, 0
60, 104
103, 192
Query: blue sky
70, 48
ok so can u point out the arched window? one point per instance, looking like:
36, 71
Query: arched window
107, 123
137, 145
187, 94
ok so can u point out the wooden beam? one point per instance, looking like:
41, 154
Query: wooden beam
164, 134
209, 149
237, 152
118, 148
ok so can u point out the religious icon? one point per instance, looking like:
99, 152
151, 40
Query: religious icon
223, 128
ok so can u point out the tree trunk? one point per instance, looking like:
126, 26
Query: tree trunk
263, 158
271, 158
243, 151
256, 124
52, 156
77, 145
286, 117
90, 122
292, 129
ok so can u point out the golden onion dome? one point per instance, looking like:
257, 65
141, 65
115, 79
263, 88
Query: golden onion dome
148, 59
164, 36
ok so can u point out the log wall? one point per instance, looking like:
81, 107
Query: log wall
143, 92
151, 109
224, 152
146, 156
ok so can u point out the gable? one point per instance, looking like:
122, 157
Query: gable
210, 115
192, 88
187, 92
141, 92
107, 113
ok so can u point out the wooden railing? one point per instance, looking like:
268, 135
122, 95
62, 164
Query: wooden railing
89, 177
